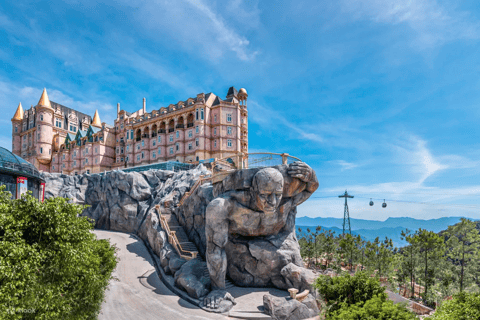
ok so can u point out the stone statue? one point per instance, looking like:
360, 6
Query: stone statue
262, 210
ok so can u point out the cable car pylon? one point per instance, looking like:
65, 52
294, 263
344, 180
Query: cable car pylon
346, 214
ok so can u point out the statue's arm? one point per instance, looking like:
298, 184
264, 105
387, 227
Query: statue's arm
304, 173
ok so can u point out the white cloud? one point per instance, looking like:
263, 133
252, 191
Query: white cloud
431, 22
412, 151
195, 25
266, 116
344, 164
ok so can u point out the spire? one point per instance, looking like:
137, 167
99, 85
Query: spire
96, 120
44, 101
19, 113
118, 110
144, 105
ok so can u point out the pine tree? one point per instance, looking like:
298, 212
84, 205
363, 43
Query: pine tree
463, 246
431, 247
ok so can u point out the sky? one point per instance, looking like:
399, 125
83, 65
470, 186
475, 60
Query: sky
379, 97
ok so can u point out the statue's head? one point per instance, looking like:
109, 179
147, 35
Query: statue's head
267, 189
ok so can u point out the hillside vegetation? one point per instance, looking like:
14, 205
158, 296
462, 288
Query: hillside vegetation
432, 267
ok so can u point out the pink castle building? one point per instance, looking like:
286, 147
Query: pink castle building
56, 138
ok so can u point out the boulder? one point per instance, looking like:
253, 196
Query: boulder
298, 277
286, 309
175, 263
191, 278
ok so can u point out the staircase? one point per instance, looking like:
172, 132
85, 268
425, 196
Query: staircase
177, 236
179, 240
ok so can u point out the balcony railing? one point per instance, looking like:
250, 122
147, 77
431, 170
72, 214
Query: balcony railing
161, 131
189, 125
180, 126
171, 129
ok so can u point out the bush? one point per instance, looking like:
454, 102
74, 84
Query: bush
348, 289
51, 265
358, 297
463, 306
376, 308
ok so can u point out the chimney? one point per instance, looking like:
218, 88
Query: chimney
118, 110
144, 105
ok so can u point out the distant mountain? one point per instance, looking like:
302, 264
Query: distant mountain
435, 225
366, 234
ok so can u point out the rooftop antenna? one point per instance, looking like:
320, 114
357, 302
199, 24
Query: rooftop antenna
346, 214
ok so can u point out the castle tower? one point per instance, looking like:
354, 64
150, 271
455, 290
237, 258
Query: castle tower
96, 120
44, 120
16, 130
242, 96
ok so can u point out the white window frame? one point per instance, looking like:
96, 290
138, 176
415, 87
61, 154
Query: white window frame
229, 143
229, 117
229, 130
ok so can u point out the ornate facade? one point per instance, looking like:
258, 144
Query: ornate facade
58, 139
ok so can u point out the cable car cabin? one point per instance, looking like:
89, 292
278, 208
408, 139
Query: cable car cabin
371, 202
384, 204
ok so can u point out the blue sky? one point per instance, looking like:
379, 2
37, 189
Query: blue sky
380, 97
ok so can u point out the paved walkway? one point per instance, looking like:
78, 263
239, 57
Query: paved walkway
139, 293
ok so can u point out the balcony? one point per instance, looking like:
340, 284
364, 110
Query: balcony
180, 126
171, 129
161, 131
189, 125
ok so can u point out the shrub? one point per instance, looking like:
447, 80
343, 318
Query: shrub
376, 308
348, 289
51, 265
463, 306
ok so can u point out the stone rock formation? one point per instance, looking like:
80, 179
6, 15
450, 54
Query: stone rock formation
290, 309
126, 202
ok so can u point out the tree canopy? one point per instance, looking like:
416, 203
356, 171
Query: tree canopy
51, 264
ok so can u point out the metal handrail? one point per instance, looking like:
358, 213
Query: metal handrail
172, 238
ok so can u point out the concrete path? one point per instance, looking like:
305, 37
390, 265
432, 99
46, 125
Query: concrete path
139, 293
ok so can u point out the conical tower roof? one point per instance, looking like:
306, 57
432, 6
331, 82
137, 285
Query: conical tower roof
44, 101
19, 113
96, 120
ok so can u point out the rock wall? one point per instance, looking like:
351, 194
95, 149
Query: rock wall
125, 202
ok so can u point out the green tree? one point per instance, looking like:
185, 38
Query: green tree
463, 306
380, 255
432, 248
463, 246
410, 258
329, 245
50, 261
348, 248
378, 308
348, 289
